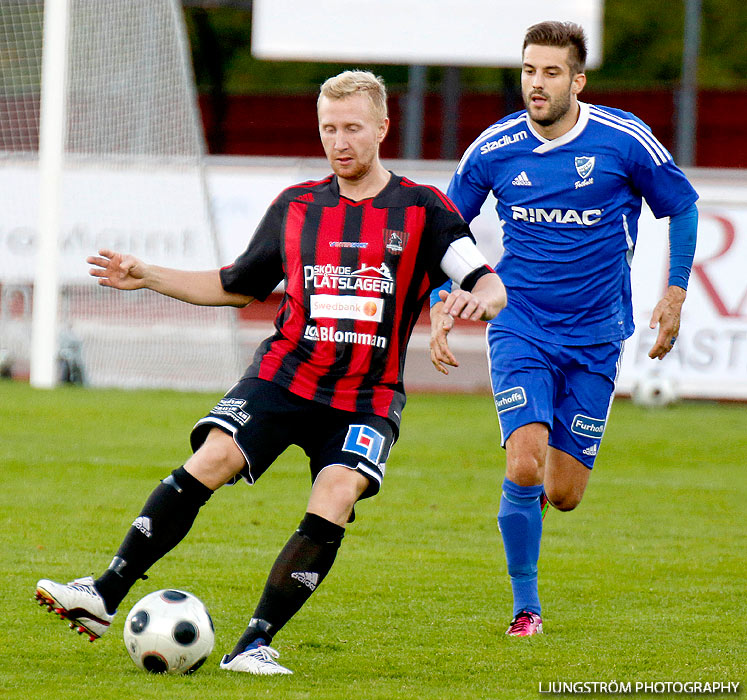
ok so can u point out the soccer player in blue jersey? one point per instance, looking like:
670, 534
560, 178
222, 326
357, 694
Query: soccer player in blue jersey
569, 178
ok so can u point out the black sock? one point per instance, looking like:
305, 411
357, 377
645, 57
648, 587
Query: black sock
299, 569
163, 522
256, 631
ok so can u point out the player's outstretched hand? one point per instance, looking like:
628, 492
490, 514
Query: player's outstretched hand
667, 316
117, 270
441, 324
483, 303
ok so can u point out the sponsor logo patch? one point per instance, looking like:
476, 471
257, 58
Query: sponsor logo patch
343, 278
310, 579
332, 335
522, 180
363, 440
348, 244
233, 408
510, 399
144, 524
557, 216
502, 141
588, 427
346, 306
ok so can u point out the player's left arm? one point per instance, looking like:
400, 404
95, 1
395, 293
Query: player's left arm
468, 190
481, 294
666, 189
666, 315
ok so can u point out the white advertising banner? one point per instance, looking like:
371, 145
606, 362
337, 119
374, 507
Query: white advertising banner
118, 210
157, 213
437, 32
709, 358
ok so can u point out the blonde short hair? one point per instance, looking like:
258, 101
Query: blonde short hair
351, 82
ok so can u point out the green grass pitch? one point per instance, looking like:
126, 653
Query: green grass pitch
645, 581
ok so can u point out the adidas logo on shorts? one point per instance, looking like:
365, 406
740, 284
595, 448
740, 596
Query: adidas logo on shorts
591, 451
309, 579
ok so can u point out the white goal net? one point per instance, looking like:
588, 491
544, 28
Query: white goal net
132, 180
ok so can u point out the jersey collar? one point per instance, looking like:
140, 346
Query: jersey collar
548, 145
379, 200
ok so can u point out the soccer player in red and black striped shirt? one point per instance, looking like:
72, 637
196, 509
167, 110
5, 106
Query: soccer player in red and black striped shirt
358, 252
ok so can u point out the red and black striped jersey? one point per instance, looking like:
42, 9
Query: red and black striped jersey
356, 275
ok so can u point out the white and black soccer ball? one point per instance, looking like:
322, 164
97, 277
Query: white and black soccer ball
654, 391
169, 631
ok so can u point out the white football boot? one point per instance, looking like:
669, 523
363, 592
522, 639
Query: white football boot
260, 661
77, 601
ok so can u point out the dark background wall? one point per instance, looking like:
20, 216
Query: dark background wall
255, 107
285, 125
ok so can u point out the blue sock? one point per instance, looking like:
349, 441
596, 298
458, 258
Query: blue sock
520, 523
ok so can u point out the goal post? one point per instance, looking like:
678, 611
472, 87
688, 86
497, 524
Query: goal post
44, 328
120, 165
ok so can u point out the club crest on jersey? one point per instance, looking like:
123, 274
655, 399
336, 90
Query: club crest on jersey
584, 166
363, 440
395, 241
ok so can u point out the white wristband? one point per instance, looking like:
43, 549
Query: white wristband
461, 258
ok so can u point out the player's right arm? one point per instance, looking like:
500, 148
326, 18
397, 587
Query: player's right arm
200, 287
468, 189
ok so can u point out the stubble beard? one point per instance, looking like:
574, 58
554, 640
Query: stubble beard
353, 172
558, 109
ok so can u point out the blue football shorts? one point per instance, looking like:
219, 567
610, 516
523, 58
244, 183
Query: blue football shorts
265, 419
568, 388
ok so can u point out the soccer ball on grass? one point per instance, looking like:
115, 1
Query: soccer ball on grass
654, 391
169, 631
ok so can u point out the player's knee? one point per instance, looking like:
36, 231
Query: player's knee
336, 490
564, 500
565, 505
217, 460
526, 469
341, 484
526, 451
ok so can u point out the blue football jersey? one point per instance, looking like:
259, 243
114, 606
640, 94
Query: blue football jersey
569, 210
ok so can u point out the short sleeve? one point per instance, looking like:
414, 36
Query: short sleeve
444, 225
259, 269
469, 186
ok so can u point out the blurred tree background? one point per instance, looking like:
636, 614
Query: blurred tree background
642, 49
255, 107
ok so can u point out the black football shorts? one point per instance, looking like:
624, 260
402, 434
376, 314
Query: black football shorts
265, 418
